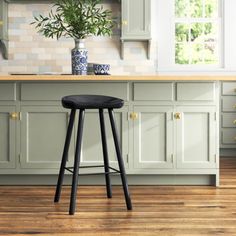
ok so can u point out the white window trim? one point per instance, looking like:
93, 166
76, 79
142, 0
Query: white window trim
165, 38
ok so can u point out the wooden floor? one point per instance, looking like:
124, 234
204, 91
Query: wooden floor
157, 210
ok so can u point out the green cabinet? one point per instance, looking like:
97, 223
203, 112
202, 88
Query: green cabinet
136, 19
165, 128
7, 137
136, 22
43, 132
196, 137
191, 129
228, 118
91, 141
3, 27
153, 137
3, 19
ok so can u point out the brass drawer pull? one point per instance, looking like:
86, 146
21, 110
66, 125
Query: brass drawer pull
234, 106
234, 122
177, 116
1, 22
134, 116
14, 115
124, 22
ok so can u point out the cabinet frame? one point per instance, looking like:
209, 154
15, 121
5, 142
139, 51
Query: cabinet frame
11, 163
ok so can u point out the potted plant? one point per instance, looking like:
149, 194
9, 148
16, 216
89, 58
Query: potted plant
77, 19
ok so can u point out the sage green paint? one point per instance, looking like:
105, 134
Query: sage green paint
228, 103
195, 91
7, 137
228, 88
55, 91
153, 137
43, 132
228, 116
153, 91
156, 131
4, 20
196, 137
137, 14
91, 153
228, 120
228, 136
7, 92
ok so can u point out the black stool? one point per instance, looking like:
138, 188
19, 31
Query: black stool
83, 102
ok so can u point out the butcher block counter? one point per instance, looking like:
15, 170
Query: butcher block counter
27, 77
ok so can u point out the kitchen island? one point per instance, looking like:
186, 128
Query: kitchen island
169, 127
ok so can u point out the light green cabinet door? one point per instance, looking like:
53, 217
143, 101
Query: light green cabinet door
153, 137
196, 137
7, 137
3, 19
136, 19
43, 132
92, 144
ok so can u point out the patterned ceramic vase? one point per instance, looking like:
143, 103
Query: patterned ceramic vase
79, 58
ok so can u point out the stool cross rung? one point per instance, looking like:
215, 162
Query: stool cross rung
98, 173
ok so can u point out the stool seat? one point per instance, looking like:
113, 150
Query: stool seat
91, 102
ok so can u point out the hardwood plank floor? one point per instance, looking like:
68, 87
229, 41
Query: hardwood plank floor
158, 210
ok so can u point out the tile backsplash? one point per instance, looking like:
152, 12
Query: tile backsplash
30, 52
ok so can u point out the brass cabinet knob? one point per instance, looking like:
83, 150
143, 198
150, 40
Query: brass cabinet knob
234, 122
124, 22
1, 22
234, 106
177, 116
14, 115
134, 116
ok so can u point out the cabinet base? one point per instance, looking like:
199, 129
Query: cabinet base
100, 180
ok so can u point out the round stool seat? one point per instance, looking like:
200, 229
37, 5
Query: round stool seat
91, 102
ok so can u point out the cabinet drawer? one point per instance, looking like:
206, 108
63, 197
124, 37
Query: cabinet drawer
228, 136
195, 91
229, 88
229, 103
55, 91
229, 120
7, 91
153, 91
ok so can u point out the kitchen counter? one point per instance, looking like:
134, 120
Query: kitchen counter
169, 127
114, 78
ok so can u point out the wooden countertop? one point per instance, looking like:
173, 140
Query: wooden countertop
113, 78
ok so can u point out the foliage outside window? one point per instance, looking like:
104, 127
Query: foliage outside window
197, 32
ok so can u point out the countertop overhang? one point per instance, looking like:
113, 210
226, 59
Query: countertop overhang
88, 78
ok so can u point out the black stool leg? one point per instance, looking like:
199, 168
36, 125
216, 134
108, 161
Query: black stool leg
105, 153
76, 163
64, 157
120, 160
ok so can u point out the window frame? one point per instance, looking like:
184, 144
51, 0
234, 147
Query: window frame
166, 39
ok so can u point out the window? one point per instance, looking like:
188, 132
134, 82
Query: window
193, 36
197, 27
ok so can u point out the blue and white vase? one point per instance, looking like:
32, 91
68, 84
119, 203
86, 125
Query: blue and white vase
79, 58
